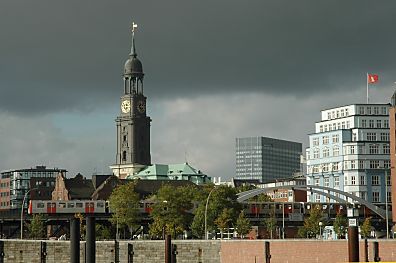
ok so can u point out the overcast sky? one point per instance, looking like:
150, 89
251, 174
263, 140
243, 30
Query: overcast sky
214, 71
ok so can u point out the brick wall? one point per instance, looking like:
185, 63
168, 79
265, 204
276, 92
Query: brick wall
197, 251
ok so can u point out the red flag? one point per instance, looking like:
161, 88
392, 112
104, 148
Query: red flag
372, 78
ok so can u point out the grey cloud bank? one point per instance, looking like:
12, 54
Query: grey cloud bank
215, 70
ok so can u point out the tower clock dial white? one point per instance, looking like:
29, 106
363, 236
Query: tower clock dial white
125, 106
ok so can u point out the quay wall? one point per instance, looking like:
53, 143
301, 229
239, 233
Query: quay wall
196, 251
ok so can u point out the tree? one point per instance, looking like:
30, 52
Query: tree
311, 228
36, 227
102, 232
270, 223
124, 204
365, 228
172, 210
243, 225
221, 197
340, 225
223, 220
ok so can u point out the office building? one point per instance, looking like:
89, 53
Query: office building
349, 151
265, 159
20, 182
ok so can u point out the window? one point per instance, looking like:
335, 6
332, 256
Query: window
363, 195
354, 136
326, 152
371, 123
332, 114
384, 136
352, 149
334, 126
317, 181
374, 180
342, 113
371, 136
348, 124
336, 181
325, 168
338, 125
335, 167
336, 138
386, 123
316, 153
364, 123
315, 141
388, 180
375, 197
345, 180
376, 110
362, 179
373, 149
353, 164
361, 110
343, 125
387, 163
385, 149
316, 169
326, 182
379, 122
325, 127
336, 151
389, 197
368, 110
321, 128
353, 180
338, 114
325, 140
317, 198
329, 115
346, 112
361, 149
374, 164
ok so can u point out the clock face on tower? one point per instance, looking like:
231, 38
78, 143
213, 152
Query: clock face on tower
125, 106
141, 106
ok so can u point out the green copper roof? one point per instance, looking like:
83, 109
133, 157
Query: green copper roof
182, 171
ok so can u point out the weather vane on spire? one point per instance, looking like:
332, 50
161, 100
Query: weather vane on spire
134, 26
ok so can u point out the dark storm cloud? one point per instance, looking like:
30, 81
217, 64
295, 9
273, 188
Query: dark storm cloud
57, 56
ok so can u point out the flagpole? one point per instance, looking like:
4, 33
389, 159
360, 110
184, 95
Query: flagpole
367, 87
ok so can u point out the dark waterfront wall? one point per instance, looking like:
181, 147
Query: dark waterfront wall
213, 251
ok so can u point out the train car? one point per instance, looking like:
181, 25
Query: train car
67, 207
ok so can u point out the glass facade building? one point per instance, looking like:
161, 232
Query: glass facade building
20, 181
265, 159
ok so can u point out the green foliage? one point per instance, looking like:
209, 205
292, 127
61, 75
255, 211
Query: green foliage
311, 227
365, 228
270, 223
124, 203
171, 210
243, 225
222, 197
102, 232
36, 227
340, 225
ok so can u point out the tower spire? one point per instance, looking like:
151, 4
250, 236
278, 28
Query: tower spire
133, 50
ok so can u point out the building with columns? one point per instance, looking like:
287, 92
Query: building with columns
349, 151
392, 186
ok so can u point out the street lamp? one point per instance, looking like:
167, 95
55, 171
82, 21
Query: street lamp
23, 205
320, 229
206, 211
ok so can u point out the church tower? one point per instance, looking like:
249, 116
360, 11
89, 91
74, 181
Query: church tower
133, 125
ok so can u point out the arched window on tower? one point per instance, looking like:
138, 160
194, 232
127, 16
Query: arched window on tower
124, 154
